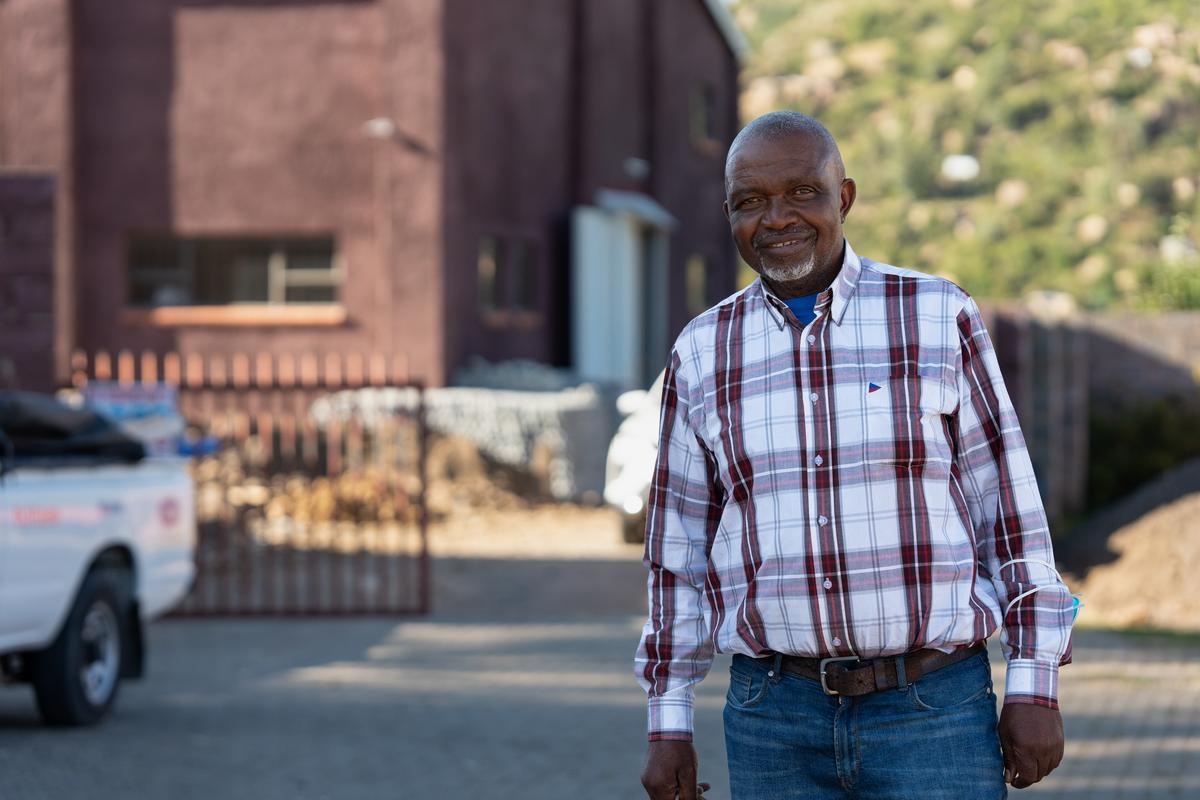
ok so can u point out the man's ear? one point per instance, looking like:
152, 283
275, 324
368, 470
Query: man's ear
725, 208
849, 192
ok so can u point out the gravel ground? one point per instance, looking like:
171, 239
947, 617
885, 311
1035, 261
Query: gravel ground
518, 686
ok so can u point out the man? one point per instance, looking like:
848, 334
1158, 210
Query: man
844, 501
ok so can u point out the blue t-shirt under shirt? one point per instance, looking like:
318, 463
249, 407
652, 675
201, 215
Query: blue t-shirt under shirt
804, 307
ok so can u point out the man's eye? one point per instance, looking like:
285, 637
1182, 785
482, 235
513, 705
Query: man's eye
802, 190
749, 201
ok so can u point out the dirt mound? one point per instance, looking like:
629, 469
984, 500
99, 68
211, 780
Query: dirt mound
1154, 579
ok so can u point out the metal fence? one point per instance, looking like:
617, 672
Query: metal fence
296, 516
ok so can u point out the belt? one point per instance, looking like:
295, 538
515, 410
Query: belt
851, 676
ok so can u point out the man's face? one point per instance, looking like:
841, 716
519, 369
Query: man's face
786, 200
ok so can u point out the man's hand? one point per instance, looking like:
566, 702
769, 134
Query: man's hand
670, 772
1032, 739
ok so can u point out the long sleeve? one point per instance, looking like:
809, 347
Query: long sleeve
1011, 533
684, 509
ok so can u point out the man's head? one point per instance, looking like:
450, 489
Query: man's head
786, 196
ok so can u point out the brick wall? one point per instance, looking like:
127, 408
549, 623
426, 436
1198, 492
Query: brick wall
27, 281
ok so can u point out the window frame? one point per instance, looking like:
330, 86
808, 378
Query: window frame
508, 312
280, 278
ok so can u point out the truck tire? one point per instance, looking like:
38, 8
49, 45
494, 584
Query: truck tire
75, 679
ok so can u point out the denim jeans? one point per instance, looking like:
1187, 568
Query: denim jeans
935, 739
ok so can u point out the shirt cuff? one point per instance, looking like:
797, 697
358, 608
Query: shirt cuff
1032, 682
670, 716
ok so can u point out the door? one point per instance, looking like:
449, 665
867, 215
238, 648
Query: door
619, 321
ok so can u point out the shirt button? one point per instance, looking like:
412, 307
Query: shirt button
811, 339
828, 585
818, 461
822, 520
813, 397
837, 642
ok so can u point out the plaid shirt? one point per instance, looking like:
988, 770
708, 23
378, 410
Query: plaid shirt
858, 486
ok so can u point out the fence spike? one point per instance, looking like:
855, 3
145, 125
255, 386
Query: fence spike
240, 367
126, 372
333, 370
287, 370
79, 366
149, 367
263, 372
102, 370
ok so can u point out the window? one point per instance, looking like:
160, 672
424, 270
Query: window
522, 257
695, 281
703, 114
489, 280
510, 281
214, 271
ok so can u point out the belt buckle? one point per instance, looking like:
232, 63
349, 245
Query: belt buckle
824, 663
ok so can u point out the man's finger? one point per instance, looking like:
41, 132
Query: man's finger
1021, 770
687, 783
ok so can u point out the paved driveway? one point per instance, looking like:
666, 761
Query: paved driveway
518, 687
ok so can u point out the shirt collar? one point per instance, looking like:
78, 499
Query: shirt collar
835, 299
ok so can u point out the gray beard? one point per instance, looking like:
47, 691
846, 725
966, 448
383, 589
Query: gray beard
787, 273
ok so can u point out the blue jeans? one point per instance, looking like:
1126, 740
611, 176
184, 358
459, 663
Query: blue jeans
936, 739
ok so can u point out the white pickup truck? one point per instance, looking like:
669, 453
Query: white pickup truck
95, 541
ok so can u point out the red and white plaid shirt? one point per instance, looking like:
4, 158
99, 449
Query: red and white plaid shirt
859, 486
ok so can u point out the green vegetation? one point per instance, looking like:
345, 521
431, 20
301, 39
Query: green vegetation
1082, 118
1130, 444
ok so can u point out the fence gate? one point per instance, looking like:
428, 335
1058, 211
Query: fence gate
312, 501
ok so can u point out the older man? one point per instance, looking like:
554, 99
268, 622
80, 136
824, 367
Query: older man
843, 500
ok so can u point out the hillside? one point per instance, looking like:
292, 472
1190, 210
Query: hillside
1011, 146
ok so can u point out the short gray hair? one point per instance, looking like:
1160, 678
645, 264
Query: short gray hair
776, 124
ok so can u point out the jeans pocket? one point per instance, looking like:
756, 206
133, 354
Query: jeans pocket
953, 686
747, 687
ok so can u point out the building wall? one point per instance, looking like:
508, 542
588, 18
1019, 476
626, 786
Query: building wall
508, 128
689, 179
217, 118
547, 101
27, 281
644, 62
35, 149
616, 82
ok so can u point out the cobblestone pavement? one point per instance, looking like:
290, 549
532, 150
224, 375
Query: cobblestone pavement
519, 686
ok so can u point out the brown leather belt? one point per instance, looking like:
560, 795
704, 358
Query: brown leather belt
850, 676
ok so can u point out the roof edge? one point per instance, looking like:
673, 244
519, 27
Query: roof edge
725, 23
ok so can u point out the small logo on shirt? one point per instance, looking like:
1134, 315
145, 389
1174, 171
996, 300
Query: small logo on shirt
873, 387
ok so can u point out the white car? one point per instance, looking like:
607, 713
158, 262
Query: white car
93, 545
629, 468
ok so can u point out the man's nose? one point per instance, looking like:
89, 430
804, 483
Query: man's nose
777, 214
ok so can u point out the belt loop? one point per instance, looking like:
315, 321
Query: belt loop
901, 677
776, 667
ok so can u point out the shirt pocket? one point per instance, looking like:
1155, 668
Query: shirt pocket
908, 422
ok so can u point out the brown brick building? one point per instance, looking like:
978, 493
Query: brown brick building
438, 178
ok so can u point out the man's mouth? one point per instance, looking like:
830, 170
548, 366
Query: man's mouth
785, 243
782, 245
783, 240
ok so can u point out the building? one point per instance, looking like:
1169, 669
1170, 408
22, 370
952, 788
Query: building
433, 179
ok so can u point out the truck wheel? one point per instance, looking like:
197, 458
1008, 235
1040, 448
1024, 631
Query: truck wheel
76, 678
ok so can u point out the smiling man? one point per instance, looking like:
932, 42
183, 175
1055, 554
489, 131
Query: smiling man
843, 500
